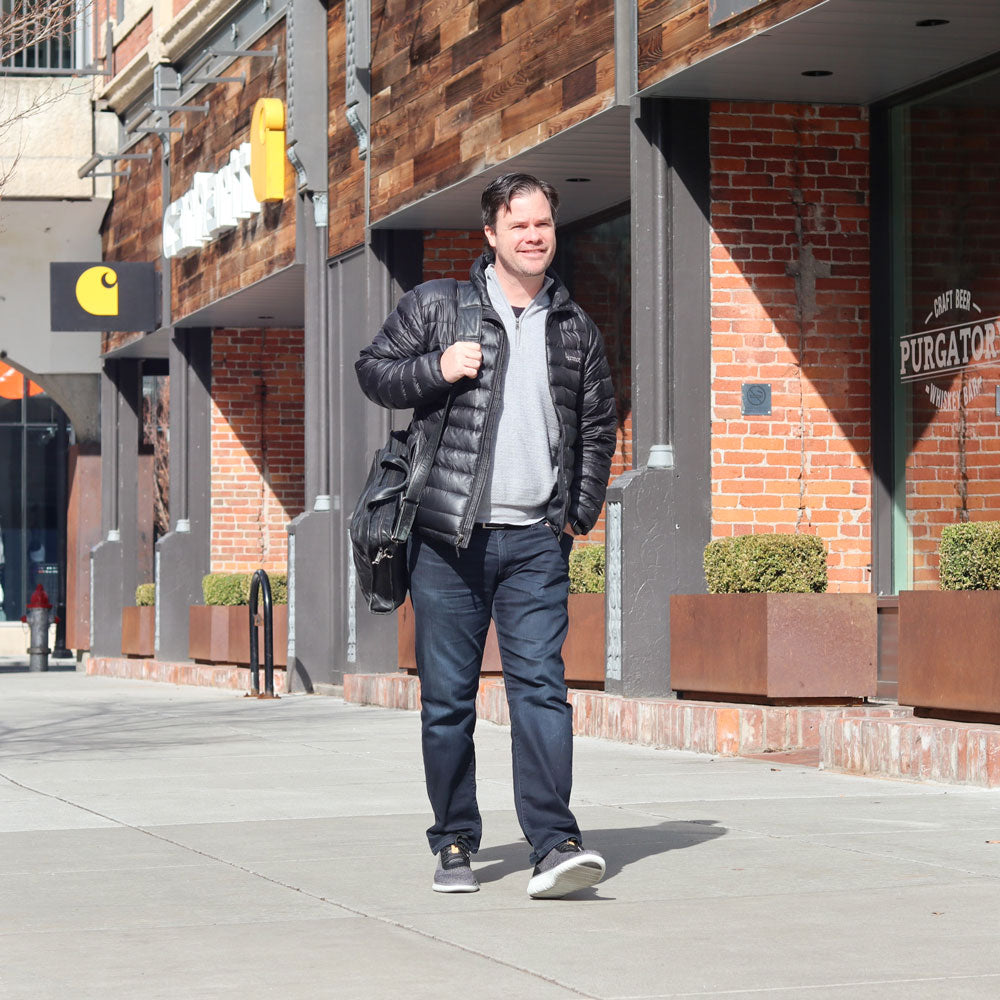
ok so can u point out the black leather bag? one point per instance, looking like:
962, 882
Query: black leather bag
384, 515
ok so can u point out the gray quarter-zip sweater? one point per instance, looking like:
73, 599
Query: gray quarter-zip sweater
522, 472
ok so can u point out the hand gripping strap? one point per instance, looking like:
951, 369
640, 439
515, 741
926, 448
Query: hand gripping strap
468, 326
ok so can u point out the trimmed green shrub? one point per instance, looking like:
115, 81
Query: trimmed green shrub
145, 595
586, 570
233, 589
970, 556
766, 564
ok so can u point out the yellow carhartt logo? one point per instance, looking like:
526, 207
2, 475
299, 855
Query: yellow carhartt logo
267, 150
97, 291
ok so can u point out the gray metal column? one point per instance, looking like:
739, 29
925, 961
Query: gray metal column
659, 514
114, 571
182, 555
311, 594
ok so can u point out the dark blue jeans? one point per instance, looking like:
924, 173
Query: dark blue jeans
519, 577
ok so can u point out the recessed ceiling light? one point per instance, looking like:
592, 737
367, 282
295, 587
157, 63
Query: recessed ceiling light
577, 180
818, 72
932, 22
265, 317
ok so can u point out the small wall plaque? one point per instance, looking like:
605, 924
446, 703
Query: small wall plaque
756, 399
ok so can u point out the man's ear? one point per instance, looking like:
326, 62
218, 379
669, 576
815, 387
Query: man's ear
491, 236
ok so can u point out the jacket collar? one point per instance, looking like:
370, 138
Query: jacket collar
558, 292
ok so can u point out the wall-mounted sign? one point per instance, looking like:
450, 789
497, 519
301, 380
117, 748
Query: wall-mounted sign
217, 202
720, 11
107, 295
943, 350
213, 205
756, 399
267, 150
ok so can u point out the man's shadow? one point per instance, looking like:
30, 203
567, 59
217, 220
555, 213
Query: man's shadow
624, 846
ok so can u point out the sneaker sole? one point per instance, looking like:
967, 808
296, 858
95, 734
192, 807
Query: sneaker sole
566, 878
455, 888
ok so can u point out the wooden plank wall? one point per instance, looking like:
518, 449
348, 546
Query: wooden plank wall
675, 33
347, 171
260, 245
460, 85
132, 226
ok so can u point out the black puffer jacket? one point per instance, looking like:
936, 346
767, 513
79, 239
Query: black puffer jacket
402, 368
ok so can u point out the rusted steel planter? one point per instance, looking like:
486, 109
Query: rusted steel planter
138, 631
221, 634
774, 647
583, 651
949, 652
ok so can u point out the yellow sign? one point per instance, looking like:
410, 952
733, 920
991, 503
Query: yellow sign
97, 291
267, 150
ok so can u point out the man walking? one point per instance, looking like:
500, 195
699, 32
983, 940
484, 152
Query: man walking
522, 466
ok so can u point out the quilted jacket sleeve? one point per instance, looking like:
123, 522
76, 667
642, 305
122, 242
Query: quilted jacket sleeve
597, 427
399, 369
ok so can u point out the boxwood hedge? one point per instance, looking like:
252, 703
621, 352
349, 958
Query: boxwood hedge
231, 589
772, 564
970, 556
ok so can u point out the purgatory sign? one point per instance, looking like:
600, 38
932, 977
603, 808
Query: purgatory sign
945, 350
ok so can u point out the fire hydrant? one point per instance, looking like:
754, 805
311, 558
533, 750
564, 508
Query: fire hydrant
39, 617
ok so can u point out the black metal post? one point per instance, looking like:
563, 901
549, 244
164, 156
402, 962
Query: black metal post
260, 584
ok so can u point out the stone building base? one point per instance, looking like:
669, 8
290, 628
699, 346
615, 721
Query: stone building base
199, 674
720, 728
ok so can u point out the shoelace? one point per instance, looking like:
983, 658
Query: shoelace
454, 856
569, 847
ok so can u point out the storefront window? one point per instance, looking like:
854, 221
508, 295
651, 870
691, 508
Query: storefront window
947, 293
34, 437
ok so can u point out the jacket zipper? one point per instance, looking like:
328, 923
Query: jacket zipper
562, 431
479, 483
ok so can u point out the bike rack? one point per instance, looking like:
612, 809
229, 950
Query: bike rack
261, 585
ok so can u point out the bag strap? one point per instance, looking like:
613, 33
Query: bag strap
469, 327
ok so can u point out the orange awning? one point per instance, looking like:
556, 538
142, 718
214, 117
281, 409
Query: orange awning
12, 384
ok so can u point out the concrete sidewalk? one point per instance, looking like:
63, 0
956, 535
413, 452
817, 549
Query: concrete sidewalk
168, 842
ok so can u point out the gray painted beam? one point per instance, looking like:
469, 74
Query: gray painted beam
661, 518
183, 555
114, 560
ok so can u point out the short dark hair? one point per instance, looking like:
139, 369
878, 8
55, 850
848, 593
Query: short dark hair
501, 190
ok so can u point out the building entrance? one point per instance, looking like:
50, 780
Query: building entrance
947, 320
34, 437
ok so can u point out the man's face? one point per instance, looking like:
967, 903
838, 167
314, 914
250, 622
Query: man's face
525, 237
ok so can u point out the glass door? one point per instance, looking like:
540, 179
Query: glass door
946, 210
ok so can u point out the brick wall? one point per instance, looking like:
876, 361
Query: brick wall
133, 43
789, 195
597, 277
258, 457
953, 433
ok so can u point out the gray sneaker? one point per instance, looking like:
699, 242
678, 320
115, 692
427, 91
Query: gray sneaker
566, 868
454, 873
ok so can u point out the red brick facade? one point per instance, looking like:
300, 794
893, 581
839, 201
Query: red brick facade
258, 482
790, 308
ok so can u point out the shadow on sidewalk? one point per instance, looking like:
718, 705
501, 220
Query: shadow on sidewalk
621, 847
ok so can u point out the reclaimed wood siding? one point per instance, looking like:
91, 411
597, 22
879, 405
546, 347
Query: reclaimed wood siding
260, 245
347, 170
675, 33
458, 86
132, 226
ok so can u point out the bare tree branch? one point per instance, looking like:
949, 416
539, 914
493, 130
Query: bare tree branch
25, 24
